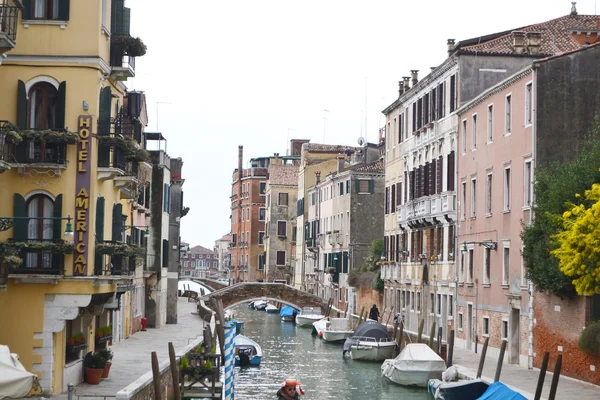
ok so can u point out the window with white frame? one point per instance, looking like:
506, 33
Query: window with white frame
247, 238
463, 200
450, 305
262, 213
460, 321
506, 264
523, 275
262, 188
474, 130
488, 194
412, 301
490, 123
438, 304
243, 214
504, 330
282, 199
473, 197
528, 184
247, 214
463, 136
418, 295
471, 265
528, 104
508, 114
280, 258
507, 186
394, 134
281, 228
487, 265
486, 326
261, 238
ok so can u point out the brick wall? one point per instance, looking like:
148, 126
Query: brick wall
166, 383
366, 297
560, 323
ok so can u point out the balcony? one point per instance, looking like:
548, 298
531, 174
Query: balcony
124, 48
37, 257
8, 27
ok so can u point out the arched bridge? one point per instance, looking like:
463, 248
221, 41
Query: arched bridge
250, 291
211, 283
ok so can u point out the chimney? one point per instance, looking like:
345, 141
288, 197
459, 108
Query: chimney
534, 42
519, 41
240, 162
406, 83
318, 177
415, 76
450, 47
400, 88
341, 160
573, 8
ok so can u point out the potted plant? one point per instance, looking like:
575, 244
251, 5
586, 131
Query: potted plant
95, 369
107, 355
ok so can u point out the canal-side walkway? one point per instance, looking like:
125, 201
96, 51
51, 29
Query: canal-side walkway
523, 379
132, 355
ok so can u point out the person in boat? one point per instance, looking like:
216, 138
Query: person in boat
374, 313
290, 390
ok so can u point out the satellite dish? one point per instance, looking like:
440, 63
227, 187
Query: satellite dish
361, 141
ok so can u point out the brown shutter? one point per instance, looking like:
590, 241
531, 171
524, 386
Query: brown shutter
60, 106
450, 170
439, 172
433, 176
21, 105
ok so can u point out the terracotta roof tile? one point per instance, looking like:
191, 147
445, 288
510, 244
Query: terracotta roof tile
286, 175
329, 148
376, 166
557, 36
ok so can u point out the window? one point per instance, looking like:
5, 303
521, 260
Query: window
490, 123
523, 275
215, 264
486, 326
432, 300
504, 332
418, 301
463, 136
488, 194
42, 114
281, 228
450, 305
473, 197
508, 110
243, 214
247, 238
460, 321
528, 104
364, 186
45, 9
528, 185
200, 255
261, 213
471, 264
439, 304
263, 187
506, 265
487, 254
507, 189
474, 129
282, 199
261, 262
247, 214
341, 188
463, 200
261, 238
280, 258
40, 206
412, 301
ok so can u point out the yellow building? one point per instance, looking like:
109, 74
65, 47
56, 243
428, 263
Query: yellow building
74, 183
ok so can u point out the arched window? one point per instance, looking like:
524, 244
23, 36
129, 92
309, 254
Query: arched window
42, 106
39, 206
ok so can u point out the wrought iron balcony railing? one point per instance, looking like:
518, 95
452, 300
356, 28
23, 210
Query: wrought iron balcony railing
8, 22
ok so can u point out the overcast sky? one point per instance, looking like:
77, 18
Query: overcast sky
257, 73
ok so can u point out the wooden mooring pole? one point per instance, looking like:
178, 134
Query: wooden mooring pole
420, 334
156, 377
432, 336
555, 377
450, 349
482, 357
174, 371
540, 384
439, 341
500, 360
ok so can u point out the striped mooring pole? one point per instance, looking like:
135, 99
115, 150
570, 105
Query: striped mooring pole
229, 392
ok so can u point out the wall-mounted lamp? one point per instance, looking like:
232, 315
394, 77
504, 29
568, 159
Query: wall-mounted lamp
85, 105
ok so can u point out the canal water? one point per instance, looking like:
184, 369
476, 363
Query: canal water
292, 352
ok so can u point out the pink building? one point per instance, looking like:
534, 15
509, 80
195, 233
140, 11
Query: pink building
495, 191
200, 262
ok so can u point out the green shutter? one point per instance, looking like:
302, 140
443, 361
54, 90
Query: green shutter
64, 10
165, 253
371, 186
117, 222
21, 105
26, 13
104, 110
357, 185
57, 225
100, 219
60, 106
116, 20
126, 21
20, 224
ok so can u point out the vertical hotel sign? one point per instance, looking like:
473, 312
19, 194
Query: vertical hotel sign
82, 195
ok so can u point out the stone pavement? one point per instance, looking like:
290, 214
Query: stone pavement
523, 379
132, 356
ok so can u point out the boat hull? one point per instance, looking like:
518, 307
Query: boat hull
287, 319
307, 320
272, 310
377, 352
462, 389
253, 362
336, 336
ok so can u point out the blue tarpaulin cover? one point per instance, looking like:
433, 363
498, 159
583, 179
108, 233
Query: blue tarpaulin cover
286, 311
499, 391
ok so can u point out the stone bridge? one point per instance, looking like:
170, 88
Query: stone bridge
214, 285
277, 292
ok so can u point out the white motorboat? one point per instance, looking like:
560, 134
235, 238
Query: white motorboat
271, 309
260, 305
371, 342
333, 329
247, 351
15, 381
415, 366
309, 315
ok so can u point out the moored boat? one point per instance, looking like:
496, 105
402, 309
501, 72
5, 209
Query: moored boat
308, 316
463, 389
333, 329
260, 305
287, 313
415, 366
371, 342
271, 309
247, 351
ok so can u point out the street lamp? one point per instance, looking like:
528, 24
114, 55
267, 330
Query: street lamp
7, 223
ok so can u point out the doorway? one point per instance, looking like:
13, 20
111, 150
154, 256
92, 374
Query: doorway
470, 326
514, 340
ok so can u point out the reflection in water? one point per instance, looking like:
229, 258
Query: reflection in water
292, 352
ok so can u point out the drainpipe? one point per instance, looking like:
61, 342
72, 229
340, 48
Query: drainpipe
530, 288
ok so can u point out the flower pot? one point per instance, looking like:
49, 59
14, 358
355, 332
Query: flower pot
106, 369
94, 375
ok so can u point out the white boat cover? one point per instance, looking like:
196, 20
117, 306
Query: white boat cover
414, 358
15, 381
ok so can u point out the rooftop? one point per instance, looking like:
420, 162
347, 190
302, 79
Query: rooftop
329, 148
285, 175
375, 166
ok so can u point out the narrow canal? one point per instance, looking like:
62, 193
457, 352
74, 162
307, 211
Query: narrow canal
292, 352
